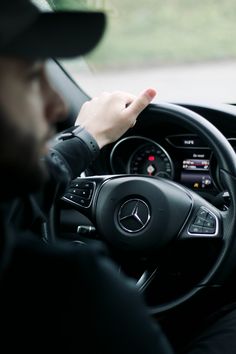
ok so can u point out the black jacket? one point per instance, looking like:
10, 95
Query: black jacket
66, 297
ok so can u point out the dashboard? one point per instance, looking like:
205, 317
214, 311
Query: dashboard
158, 147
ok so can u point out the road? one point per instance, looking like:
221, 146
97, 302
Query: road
208, 82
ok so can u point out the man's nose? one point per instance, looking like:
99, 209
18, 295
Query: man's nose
55, 109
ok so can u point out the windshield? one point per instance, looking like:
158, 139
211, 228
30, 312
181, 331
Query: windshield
184, 48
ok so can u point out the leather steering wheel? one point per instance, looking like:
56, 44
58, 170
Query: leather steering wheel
141, 215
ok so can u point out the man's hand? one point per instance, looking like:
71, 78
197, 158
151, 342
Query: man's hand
110, 115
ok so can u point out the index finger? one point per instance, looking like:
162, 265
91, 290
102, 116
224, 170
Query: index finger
140, 102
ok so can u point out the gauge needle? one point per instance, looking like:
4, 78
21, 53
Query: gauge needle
150, 170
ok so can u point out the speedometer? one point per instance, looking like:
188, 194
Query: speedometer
152, 160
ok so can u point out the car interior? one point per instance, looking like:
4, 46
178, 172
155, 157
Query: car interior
175, 170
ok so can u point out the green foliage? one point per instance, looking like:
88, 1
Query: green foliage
155, 32
75, 4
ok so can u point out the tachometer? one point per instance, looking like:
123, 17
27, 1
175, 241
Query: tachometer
152, 160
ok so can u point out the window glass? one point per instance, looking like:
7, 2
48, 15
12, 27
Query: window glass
184, 48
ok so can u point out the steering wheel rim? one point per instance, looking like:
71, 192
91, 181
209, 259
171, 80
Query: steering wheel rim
226, 159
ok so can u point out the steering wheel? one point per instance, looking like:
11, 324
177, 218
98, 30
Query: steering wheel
145, 216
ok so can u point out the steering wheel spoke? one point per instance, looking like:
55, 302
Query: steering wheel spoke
204, 222
81, 194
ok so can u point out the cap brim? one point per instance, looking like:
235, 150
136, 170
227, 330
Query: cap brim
59, 35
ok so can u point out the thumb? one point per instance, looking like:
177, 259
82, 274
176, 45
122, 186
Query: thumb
140, 102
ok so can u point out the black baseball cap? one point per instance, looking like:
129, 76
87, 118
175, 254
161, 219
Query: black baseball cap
26, 31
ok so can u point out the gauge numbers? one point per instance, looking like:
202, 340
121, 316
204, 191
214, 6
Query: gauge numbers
151, 159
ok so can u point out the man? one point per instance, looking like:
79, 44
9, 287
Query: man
58, 297
63, 297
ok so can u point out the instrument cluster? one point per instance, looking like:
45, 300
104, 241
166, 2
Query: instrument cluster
183, 158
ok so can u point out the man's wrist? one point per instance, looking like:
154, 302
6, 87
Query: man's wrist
87, 138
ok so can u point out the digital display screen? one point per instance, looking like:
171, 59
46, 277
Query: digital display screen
196, 165
186, 141
195, 172
190, 142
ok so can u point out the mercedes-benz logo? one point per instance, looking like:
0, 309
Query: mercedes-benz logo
134, 215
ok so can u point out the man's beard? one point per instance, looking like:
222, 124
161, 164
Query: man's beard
22, 169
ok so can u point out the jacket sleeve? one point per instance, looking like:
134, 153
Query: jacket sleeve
74, 150
70, 153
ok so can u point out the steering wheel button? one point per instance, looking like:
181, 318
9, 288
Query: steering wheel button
75, 185
210, 223
210, 217
69, 196
199, 221
202, 213
86, 185
78, 200
82, 185
208, 230
84, 193
82, 201
195, 229
81, 192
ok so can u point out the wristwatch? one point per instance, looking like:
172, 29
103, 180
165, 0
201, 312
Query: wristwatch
82, 134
